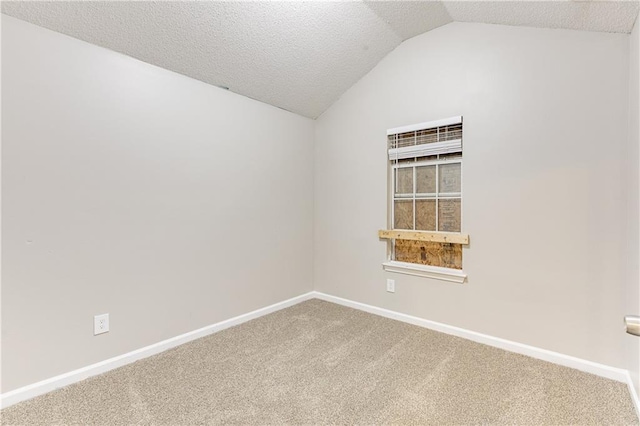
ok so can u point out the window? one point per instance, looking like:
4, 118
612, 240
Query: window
426, 194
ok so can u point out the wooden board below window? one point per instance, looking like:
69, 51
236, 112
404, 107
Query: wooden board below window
445, 255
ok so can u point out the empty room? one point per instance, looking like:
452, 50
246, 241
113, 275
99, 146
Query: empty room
320, 212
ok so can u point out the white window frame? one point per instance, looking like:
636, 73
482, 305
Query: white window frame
415, 269
426, 196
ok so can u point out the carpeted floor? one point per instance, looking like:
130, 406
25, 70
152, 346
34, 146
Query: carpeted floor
321, 363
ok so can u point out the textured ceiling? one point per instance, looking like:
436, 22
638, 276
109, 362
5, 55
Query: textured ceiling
605, 16
299, 56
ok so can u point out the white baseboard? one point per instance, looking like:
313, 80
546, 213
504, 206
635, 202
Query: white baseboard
602, 370
617, 374
30, 391
48, 385
634, 393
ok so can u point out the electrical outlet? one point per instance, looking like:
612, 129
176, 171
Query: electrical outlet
391, 286
100, 324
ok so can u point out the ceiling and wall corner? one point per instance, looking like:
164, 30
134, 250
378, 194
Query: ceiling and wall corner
601, 16
298, 56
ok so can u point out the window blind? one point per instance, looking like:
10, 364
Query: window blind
425, 139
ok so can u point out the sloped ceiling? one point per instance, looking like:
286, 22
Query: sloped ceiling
603, 16
299, 56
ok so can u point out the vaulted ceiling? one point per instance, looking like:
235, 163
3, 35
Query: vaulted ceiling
299, 56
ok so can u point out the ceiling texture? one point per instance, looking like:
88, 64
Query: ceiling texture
298, 56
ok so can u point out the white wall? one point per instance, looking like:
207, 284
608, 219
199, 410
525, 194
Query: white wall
632, 293
182, 203
545, 122
129, 189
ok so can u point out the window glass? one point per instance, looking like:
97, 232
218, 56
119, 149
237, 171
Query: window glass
449, 178
426, 215
403, 214
426, 180
449, 215
404, 180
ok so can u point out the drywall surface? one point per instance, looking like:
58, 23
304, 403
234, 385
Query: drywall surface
130, 190
544, 195
632, 294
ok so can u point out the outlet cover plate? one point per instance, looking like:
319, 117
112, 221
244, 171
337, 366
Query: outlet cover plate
100, 324
391, 286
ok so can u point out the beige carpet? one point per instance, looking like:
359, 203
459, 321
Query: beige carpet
320, 363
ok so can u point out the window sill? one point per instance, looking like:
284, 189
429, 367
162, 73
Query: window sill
435, 272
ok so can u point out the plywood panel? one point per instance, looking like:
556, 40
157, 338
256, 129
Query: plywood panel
426, 215
404, 179
445, 255
426, 180
449, 215
403, 214
449, 178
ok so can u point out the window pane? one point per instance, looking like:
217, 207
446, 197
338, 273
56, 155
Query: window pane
451, 132
449, 178
404, 180
426, 180
427, 136
449, 215
406, 139
405, 160
403, 214
451, 156
426, 215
